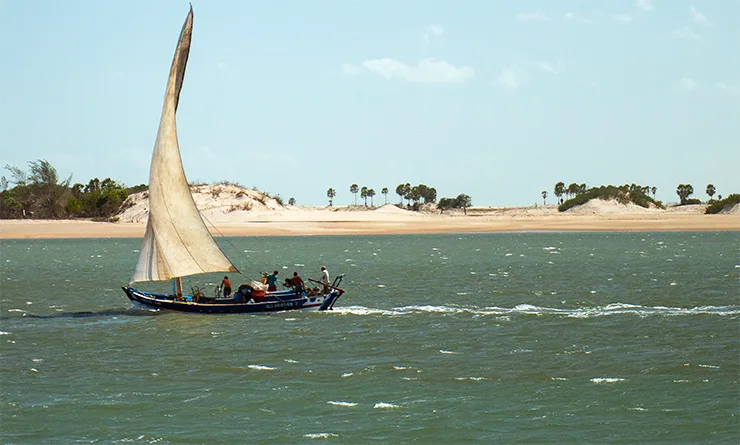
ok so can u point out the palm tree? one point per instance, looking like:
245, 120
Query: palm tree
684, 191
363, 194
654, 189
544, 197
331, 193
385, 192
371, 193
711, 190
353, 189
291, 201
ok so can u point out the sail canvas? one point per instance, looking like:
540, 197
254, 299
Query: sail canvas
177, 242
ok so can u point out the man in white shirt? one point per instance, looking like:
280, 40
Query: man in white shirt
325, 279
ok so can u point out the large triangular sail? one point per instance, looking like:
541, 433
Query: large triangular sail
177, 242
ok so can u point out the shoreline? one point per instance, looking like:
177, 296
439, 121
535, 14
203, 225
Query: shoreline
388, 224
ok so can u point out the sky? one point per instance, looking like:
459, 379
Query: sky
496, 99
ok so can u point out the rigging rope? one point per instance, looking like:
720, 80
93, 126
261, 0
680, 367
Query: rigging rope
227, 240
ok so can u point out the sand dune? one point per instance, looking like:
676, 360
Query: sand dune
233, 210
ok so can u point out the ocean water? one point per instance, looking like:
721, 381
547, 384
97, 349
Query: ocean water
481, 338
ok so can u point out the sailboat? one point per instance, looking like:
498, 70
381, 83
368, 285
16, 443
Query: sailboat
177, 242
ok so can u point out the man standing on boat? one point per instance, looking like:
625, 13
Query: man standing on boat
324, 279
272, 282
226, 285
298, 285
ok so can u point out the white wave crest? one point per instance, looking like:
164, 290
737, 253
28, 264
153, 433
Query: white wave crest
350, 404
319, 435
384, 405
529, 309
607, 379
261, 367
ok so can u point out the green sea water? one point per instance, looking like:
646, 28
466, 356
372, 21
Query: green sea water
485, 338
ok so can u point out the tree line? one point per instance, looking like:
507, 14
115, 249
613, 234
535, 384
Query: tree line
683, 191
415, 196
577, 194
39, 193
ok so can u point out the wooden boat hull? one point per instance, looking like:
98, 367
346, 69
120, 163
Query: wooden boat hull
273, 303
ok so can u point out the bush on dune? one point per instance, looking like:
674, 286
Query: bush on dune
723, 204
623, 195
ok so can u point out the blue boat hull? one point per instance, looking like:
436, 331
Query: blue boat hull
279, 301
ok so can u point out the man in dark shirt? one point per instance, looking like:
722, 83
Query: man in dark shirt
298, 285
226, 284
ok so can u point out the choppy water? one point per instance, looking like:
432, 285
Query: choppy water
486, 338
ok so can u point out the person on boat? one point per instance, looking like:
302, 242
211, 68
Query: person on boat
226, 285
298, 284
324, 279
272, 282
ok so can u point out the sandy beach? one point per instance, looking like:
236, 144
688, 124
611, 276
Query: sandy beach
391, 220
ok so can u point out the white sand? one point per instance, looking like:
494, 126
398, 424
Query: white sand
601, 207
267, 217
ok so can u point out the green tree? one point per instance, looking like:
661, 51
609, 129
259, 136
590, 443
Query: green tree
363, 194
559, 190
463, 201
653, 189
431, 195
93, 186
112, 195
18, 202
291, 201
401, 191
414, 194
711, 190
445, 204
684, 191
407, 193
544, 197
370, 194
385, 194
10, 206
50, 194
573, 189
331, 193
353, 189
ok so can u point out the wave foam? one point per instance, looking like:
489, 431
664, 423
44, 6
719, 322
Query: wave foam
607, 379
349, 404
383, 405
261, 367
319, 435
529, 309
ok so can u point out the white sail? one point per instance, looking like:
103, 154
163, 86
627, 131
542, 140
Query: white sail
177, 242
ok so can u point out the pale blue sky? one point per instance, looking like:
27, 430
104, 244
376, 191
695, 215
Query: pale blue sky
497, 99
